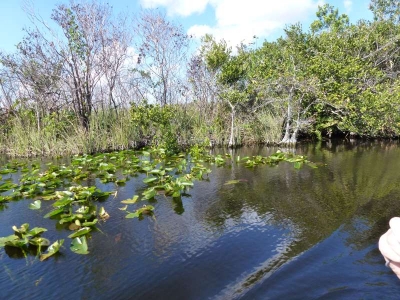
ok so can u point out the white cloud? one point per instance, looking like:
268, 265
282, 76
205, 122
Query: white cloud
348, 5
177, 7
239, 20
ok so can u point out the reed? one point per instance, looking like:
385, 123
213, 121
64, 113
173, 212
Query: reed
110, 130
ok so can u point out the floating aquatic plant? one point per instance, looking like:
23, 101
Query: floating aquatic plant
79, 245
144, 210
51, 250
74, 205
24, 238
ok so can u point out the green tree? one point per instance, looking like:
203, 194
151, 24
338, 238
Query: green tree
329, 19
388, 10
230, 73
282, 69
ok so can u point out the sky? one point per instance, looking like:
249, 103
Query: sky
235, 21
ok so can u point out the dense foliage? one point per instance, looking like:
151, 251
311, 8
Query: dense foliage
88, 92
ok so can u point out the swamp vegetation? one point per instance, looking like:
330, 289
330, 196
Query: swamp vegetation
76, 206
77, 86
249, 229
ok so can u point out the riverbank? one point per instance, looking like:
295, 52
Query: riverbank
174, 128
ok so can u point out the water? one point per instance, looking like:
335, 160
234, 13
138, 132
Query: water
280, 233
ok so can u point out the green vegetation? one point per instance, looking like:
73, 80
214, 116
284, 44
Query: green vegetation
332, 78
23, 239
75, 206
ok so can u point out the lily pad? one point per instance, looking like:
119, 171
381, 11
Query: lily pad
298, 164
88, 224
53, 249
5, 240
74, 227
146, 209
36, 231
54, 212
132, 215
39, 241
150, 180
80, 232
123, 208
6, 186
22, 230
35, 205
131, 201
62, 202
103, 214
79, 245
149, 193
3, 200
17, 243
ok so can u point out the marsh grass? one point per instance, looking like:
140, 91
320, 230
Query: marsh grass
107, 132
63, 135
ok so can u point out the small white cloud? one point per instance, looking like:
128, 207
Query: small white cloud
348, 5
197, 31
177, 7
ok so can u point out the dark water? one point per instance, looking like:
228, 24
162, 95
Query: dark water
279, 234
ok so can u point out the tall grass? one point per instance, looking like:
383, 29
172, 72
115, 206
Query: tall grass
109, 130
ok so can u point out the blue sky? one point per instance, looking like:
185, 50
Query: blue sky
233, 20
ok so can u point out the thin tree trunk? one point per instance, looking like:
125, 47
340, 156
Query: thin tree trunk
286, 138
293, 139
231, 143
38, 117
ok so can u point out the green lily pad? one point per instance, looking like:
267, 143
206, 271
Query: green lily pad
121, 181
36, 231
62, 202
132, 215
53, 249
123, 208
150, 180
22, 230
88, 224
146, 209
35, 205
298, 164
80, 232
103, 214
6, 186
54, 212
131, 201
7, 171
5, 240
17, 243
74, 226
149, 193
39, 241
79, 245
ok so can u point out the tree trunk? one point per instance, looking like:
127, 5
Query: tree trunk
293, 139
231, 143
286, 138
38, 117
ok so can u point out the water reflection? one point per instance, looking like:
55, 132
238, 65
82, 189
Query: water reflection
276, 233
